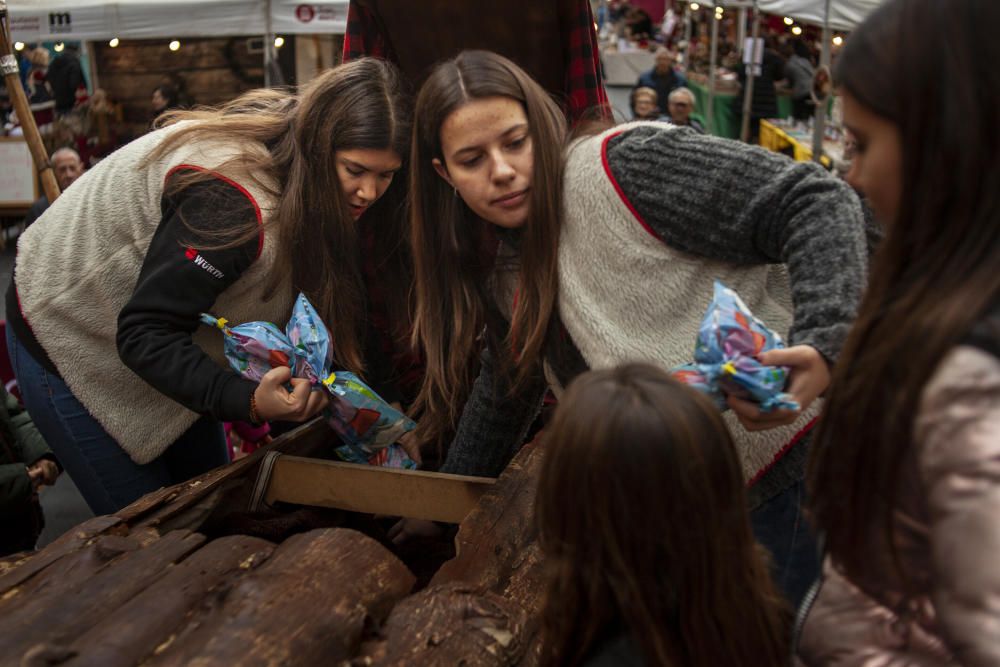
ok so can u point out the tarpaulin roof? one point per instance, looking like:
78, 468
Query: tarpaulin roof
844, 14
78, 20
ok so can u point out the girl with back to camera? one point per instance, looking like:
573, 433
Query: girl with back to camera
623, 233
231, 211
642, 520
905, 475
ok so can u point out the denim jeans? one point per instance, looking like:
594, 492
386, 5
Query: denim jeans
779, 525
107, 478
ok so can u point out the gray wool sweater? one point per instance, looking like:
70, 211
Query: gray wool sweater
719, 201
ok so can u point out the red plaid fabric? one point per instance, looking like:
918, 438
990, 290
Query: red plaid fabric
584, 89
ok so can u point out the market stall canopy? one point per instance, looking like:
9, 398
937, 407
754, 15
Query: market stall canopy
844, 14
81, 20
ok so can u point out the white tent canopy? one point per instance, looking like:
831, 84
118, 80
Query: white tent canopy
844, 14
81, 20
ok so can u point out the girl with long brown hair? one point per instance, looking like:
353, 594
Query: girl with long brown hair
608, 253
905, 474
233, 211
642, 519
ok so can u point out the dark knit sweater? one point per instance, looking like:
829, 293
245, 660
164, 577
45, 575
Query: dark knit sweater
722, 200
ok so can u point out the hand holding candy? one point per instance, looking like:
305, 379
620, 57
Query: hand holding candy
734, 364
808, 378
274, 401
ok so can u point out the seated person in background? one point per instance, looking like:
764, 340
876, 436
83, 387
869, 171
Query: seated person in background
663, 78
643, 523
26, 463
68, 167
644, 105
639, 23
681, 104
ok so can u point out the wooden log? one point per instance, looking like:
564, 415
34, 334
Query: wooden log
494, 542
449, 625
69, 609
497, 549
67, 543
133, 631
13, 561
308, 604
189, 504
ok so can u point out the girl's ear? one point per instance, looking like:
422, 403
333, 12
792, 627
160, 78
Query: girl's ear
442, 171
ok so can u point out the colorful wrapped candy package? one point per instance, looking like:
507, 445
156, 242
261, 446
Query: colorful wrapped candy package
367, 425
725, 356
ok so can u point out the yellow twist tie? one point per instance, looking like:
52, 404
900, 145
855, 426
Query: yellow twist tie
330, 380
221, 323
729, 368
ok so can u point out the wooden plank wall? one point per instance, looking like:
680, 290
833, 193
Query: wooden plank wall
210, 71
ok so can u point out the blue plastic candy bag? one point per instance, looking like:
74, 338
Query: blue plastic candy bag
368, 426
725, 357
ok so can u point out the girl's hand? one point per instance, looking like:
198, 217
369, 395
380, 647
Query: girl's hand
411, 446
274, 402
407, 529
808, 378
43, 473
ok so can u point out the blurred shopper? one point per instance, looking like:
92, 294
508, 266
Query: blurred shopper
799, 74
40, 97
165, 98
68, 167
26, 463
681, 104
65, 75
644, 104
663, 78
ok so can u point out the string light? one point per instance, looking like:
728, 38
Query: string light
114, 43
175, 45
788, 21
19, 46
59, 47
695, 6
279, 42
796, 30
838, 40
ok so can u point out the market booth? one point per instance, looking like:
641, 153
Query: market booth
826, 137
211, 51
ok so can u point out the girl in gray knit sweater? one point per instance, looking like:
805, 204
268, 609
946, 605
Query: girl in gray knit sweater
623, 233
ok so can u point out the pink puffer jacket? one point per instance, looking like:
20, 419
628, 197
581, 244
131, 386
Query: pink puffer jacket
948, 526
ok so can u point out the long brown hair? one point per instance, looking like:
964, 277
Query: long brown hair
925, 66
454, 286
360, 104
643, 522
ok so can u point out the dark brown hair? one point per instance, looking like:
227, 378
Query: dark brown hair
360, 104
643, 521
454, 286
930, 68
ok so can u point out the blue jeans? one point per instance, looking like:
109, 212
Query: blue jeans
107, 478
780, 526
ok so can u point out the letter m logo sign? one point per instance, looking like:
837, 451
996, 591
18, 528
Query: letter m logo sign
60, 22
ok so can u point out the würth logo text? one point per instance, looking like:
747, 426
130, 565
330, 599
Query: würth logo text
195, 257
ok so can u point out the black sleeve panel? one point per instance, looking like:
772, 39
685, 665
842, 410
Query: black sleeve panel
178, 282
